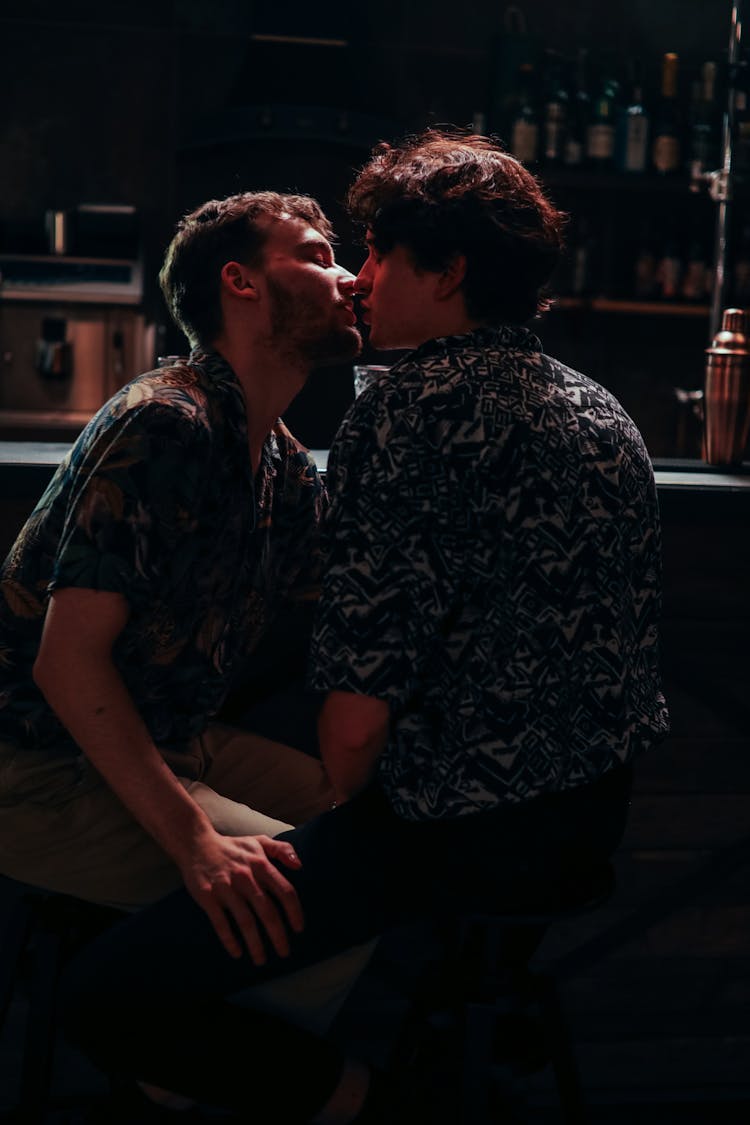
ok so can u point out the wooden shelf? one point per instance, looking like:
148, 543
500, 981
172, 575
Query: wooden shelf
631, 308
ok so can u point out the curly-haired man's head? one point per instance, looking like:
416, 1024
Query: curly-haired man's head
222, 230
448, 193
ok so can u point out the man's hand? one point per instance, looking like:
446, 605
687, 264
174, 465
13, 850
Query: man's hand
233, 880
230, 877
352, 732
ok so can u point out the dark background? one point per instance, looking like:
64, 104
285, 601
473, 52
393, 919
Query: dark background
117, 103
165, 103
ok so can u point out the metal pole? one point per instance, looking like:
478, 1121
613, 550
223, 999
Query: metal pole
721, 187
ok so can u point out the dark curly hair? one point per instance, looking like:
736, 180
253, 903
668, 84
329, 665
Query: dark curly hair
220, 231
448, 192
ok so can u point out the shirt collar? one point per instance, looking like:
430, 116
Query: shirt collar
220, 372
506, 337
214, 365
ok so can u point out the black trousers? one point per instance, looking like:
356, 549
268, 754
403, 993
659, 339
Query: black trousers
151, 997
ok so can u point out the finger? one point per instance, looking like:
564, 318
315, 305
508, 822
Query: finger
285, 894
265, 910
220, 923
282, 851
245, 920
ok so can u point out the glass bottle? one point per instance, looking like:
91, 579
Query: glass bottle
644, 274
695, 281
669, 269
667, 128
704, 124
555, 111
633, 126
579, 110
582, 263
741, 269
524, 126
741, 161
600, 134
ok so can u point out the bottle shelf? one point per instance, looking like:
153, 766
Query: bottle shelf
632, 308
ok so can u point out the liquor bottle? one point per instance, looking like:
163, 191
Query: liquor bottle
741, 147
555, 111
600, 134
669, 269
741, 270
479, 122
581, 281
694, 162
644, 279
509, 46
704, 125
633, 125
667, 125
695, 281
579, 110
524, 126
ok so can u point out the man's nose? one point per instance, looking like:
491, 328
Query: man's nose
362, 282
346, 281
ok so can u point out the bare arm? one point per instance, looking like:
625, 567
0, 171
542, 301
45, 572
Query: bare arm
76, 673
352, 730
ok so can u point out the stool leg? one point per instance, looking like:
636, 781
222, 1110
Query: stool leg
40, 1029
564, 1064
477, 1068
13, 943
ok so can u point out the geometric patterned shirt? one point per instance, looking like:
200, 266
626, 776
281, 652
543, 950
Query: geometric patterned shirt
156, 500
493, 572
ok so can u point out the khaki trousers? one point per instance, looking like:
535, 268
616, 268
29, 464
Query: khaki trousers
63, 829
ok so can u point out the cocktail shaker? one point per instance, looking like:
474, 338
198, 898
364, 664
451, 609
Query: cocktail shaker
726, 402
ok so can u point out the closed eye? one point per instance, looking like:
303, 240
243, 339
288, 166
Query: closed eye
318, 252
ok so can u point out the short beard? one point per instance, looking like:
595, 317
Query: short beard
297, 334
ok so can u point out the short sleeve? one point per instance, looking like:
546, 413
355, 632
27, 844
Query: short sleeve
132, 504
392, 555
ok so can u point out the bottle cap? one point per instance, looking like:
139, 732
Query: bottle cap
735, 321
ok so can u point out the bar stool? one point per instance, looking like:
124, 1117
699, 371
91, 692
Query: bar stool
41, 931
483, 1010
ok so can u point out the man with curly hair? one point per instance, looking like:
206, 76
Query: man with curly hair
486, 636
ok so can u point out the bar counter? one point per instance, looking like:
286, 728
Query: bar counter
705, 515
26, 467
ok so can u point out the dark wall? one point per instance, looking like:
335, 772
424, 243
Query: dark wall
154, 102
98, 97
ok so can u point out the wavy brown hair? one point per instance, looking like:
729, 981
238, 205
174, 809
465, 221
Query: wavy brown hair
217, 232
449, 192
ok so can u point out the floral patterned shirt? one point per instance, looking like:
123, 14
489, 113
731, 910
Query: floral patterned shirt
157, 501
493, 573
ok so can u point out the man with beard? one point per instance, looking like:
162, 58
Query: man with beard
177, 534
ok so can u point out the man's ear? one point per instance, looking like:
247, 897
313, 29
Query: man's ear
451, 277
236, 278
